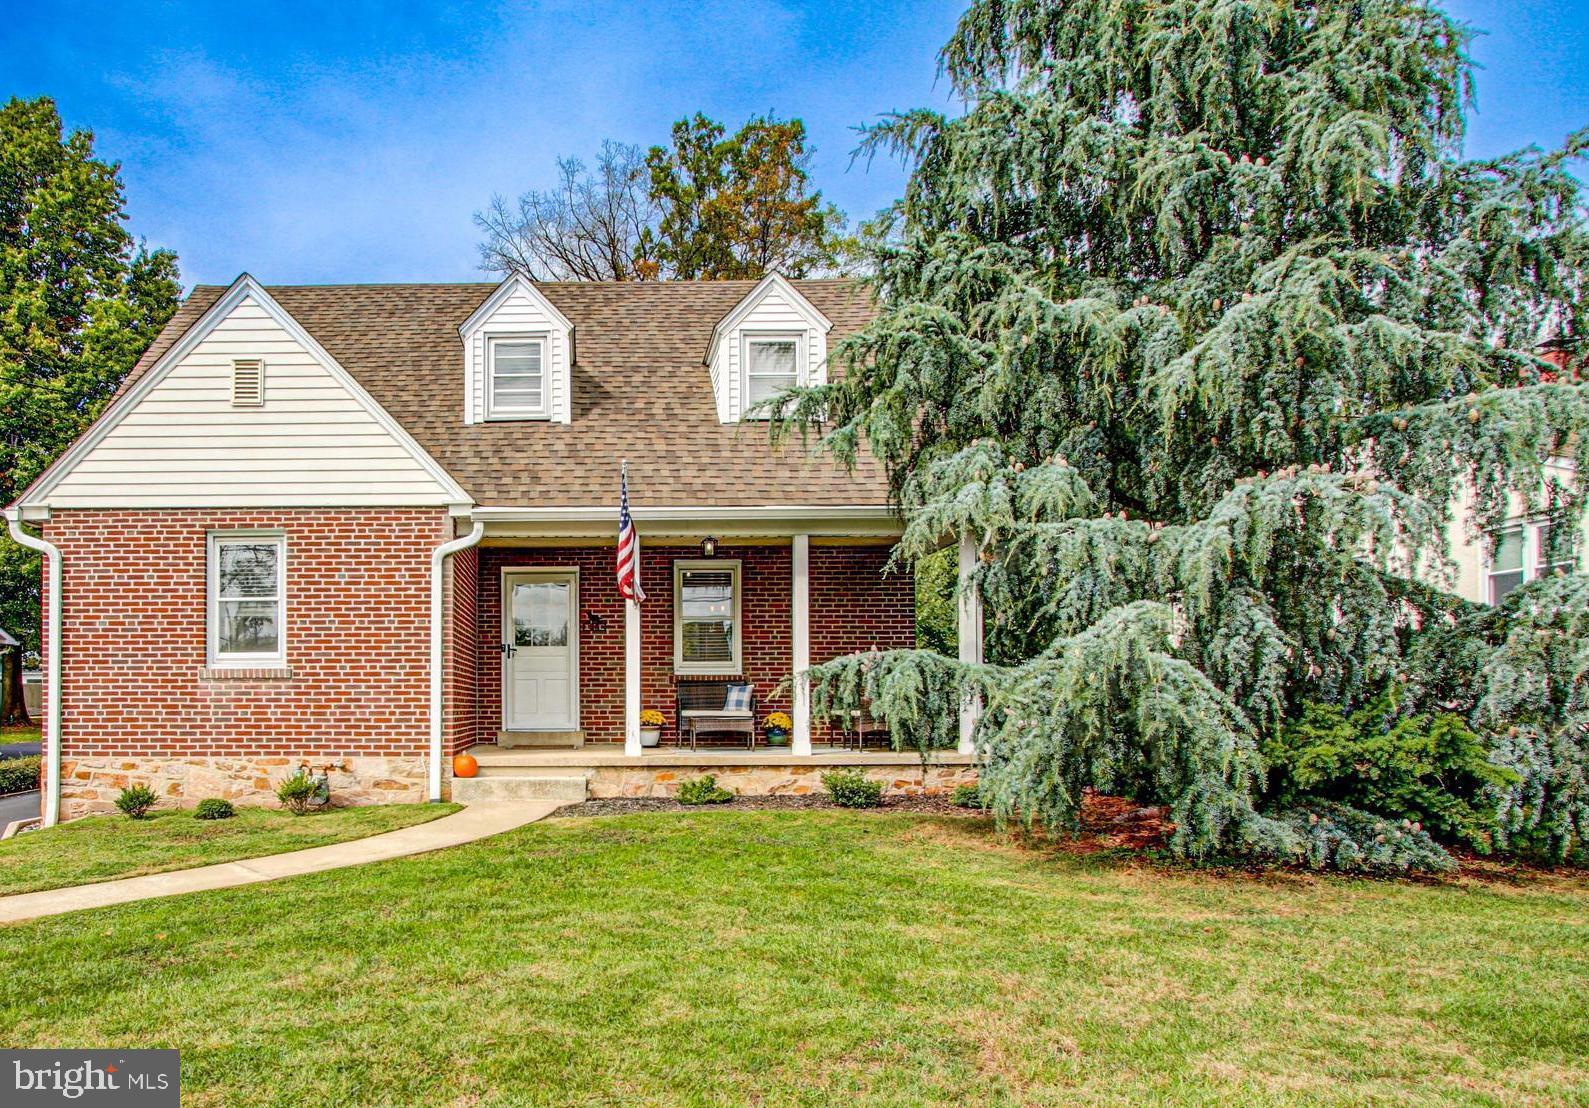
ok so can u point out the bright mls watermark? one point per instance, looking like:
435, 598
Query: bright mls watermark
131, 1078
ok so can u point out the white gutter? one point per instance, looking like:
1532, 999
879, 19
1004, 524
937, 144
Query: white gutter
607, 512
438, 558
52, 688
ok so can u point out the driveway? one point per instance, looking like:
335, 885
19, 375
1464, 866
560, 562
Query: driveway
21, 806
19, 750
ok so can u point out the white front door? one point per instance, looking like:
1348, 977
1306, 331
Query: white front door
540, 665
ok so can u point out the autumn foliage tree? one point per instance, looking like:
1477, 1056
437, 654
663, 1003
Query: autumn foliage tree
740, 205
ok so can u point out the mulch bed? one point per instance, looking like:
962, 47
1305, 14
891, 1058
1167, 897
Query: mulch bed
622, 806
1108, 822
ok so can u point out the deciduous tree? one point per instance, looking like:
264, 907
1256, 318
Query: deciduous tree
740, 206
588, 228
79, 302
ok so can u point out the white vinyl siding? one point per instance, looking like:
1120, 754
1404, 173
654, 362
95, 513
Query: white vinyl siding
517, 385
311, 442
519, 315
707, 633
247, 599
769, 312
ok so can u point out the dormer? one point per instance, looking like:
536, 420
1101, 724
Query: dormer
517, 353
773, 339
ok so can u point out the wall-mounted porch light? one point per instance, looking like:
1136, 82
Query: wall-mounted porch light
709, 547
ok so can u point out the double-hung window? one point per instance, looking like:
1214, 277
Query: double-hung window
706, 617
772, 364
516, 377
1523, 552
247, 599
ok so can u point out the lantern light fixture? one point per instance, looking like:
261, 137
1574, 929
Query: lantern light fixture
709, 547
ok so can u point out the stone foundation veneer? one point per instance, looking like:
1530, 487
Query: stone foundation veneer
777, 780
90, 786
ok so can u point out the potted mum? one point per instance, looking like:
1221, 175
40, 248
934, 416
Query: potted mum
776, 727
651, 722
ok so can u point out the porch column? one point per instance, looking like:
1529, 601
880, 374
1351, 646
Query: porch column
631, 678
970, 636
800, 584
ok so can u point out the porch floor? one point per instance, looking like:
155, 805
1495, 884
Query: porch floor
491, 756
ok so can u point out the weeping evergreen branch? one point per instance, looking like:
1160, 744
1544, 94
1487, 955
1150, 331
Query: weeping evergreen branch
1198, 323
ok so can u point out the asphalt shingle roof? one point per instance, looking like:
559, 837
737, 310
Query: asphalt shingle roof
640, 391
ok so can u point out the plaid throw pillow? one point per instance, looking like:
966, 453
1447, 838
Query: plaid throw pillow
737, 699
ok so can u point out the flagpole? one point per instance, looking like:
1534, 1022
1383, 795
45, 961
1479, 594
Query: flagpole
631, 648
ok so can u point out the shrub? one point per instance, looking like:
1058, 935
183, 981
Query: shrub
1427, 769
1335, 837
136, 800
19, 775
703, 790
296, 793
851, 788
214, 808
967, 796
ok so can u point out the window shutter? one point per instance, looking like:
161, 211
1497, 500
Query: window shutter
248, 383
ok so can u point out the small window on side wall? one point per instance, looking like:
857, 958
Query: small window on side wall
706, 617
772, 364
1524, 552
247, 599
516, 377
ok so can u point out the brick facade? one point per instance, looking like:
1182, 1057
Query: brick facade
139, 705
854, 606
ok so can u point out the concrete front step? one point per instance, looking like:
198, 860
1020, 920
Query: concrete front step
521, 785
560, 740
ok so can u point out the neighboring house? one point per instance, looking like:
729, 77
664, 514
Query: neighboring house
1489, 566
373, 526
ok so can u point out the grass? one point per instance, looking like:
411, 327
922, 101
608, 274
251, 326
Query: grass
30, 734
737, 957
101, 848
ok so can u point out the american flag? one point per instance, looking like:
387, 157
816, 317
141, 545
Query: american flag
628, 546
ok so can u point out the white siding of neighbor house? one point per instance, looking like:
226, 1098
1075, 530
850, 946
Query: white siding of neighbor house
772, 312
313, 442
1470, 553
519, 313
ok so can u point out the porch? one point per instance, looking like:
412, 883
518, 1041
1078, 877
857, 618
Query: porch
605, 770
568, 680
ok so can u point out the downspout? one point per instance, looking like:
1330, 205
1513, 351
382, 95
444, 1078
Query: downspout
52, 687
438, 559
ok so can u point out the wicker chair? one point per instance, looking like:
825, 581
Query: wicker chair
701, 711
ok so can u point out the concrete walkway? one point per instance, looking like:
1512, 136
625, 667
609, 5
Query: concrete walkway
478, 821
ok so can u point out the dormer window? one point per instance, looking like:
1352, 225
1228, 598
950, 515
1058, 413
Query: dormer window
517, 377
518, 357
772, 365
772, 340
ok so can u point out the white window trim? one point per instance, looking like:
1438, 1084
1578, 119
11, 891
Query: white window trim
735, 665
1533, 554
748, 337
212, 603
541, 411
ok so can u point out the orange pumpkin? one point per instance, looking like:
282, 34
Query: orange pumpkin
464, 765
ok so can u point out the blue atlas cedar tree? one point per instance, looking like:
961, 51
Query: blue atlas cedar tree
1197, 320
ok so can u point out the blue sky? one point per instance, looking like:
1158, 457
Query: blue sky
349, 141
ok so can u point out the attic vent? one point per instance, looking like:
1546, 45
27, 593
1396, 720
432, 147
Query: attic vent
248, 383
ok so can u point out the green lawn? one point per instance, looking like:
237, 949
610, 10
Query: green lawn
30, 734
736, 957
100, 848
